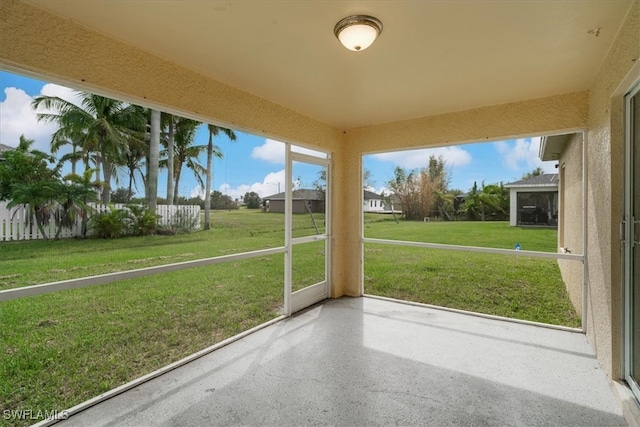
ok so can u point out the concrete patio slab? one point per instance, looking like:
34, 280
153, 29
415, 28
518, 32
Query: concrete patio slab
364, 361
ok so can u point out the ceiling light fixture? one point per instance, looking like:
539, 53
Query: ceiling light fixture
358, 32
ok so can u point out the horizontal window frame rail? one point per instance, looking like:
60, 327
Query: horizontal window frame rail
535, 254
309, 239
46, 288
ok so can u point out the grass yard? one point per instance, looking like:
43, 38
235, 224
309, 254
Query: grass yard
63, 348
518, 287
26, 263
489, 234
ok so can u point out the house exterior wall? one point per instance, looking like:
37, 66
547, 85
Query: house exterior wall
570, 227
604, 194
374, 205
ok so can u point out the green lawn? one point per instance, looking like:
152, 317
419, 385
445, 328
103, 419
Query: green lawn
490, 234
25, 263
63, 348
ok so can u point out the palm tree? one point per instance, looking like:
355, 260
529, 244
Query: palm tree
133, 161
211, 151
170, 121
152, 166
101, 125
184, 153
58, 141
73, 200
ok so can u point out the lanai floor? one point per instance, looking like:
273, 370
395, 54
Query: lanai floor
366, 361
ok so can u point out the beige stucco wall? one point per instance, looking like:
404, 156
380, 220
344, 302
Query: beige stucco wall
570, 228
527, 118
604, 195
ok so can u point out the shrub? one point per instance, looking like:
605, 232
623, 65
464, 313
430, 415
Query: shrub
141, 221
109, 224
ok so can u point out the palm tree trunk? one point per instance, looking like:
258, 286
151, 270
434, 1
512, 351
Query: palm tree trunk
207, 191
73, 160
98, 162
170, 155
177, 183
106, 189
154, 156
106, 172
131, 179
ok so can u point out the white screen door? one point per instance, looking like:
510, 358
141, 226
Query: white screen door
307, 228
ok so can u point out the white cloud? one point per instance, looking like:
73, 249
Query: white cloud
272, 151
379, 190
523, 155
18, 118
453, 156
271, 184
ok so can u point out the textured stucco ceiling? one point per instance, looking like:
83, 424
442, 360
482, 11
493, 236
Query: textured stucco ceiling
432, 57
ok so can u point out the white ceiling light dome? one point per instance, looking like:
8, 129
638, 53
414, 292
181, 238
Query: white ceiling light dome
358, 32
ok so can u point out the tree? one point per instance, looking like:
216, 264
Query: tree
492, 200
221, 201
133, 160
387, 201
170, 120
418, 190
252, 200
122, 195
185, 153
536, 172
73, 197
100, 125
26, 179
211, 151
25, 166
152, 166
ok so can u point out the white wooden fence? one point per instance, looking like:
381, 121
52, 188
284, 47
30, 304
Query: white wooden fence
16, 224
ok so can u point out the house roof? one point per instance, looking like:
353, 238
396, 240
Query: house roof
301, 194
544, 180
418, 67
552, 146
5, 148
370, 195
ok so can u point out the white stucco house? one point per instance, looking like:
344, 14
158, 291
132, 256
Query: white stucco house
373, 202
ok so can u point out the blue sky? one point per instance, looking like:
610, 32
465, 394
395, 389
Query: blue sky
254, 163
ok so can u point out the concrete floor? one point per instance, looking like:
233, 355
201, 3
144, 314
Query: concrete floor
364, 361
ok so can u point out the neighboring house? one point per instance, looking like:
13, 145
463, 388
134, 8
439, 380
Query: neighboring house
373, 203
303, 201
534, 200
4, 149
